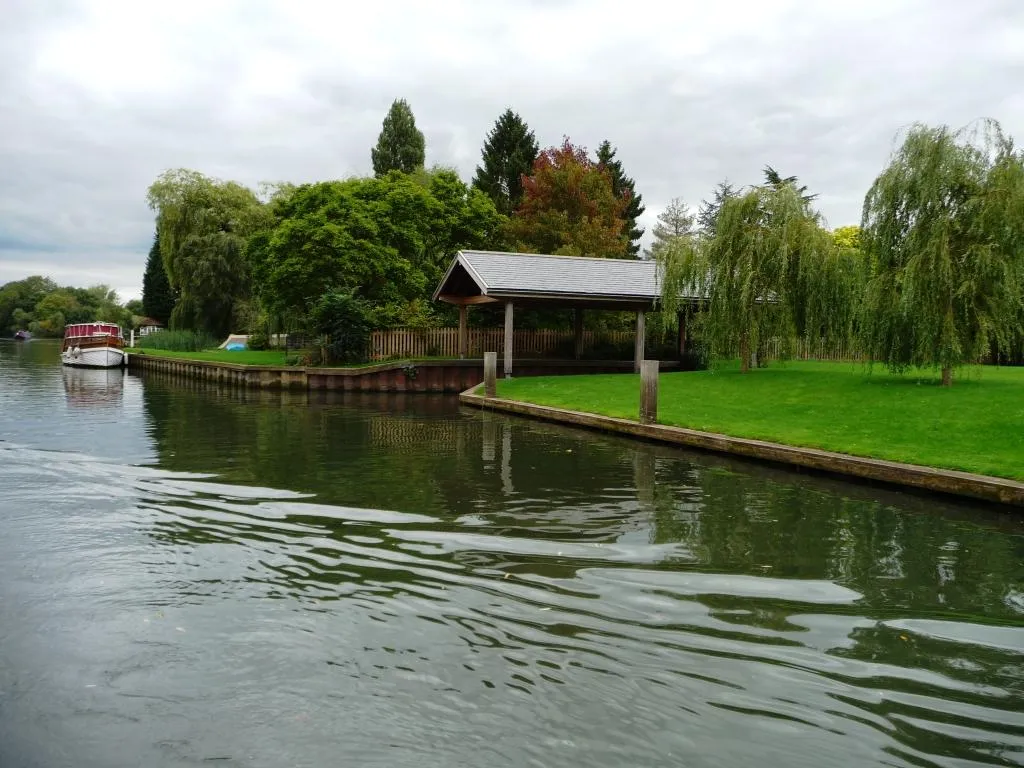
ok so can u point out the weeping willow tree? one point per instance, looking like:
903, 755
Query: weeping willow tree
203, 225
943, 232
770, 272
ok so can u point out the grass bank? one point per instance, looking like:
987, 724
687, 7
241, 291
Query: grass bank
274, 357
977, 425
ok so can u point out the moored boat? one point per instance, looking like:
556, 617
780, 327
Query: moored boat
22, 336
93, 345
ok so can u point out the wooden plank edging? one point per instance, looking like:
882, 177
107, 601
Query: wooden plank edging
947, 481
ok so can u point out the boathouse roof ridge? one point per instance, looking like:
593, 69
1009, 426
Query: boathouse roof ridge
506, 275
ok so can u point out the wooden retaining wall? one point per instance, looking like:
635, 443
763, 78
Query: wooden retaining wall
451, 376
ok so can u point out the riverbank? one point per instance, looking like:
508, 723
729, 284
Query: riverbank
948, 432
977, 425
430, 375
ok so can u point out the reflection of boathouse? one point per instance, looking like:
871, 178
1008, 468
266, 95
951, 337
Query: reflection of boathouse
91, 387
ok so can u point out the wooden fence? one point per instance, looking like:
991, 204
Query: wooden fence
815, 349
444, 342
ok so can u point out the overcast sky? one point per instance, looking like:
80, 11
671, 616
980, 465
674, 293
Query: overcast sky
98, 97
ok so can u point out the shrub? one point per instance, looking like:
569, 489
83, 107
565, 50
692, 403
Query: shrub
346, 321
258, 340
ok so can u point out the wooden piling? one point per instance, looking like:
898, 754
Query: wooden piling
491, 374
649, 391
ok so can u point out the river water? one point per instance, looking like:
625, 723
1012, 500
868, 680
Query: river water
192, 575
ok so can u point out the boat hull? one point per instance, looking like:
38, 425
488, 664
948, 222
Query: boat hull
93, 357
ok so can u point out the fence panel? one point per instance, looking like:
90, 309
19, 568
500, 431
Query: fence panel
444, 342
545, 342
814, 349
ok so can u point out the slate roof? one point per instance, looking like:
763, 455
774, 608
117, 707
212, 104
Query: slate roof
506, 275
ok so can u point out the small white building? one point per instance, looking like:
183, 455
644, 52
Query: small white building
147, 325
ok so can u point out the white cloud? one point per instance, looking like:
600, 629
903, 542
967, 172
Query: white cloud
97, 98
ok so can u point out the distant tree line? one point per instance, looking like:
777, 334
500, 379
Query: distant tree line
39, 305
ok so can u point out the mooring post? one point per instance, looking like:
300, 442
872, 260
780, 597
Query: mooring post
491, 374
649, 391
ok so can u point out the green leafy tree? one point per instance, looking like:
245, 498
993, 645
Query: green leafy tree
203, 225
157, 296
508, 155
943, 233
57, 309
675, 221
624, 187
466, 218
707, 214
18, 300
847, 237
383, 241
768, 272
570, 207
400, 145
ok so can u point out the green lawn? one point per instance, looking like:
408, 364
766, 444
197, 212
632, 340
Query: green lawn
977, 425
241, 357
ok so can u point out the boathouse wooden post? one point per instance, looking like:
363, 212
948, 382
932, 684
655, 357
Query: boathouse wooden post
463, 331
578, 332
508, 339
491, 374
638, 357
649, 391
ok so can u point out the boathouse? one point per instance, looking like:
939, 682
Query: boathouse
539, 281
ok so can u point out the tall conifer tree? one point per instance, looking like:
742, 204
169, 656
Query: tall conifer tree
400, 146
508, 154
624, 186
157, 295
675, 221
707, 215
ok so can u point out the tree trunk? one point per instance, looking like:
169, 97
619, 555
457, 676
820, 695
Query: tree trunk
744, 353
947, 376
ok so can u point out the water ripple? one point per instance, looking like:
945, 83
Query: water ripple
462, 590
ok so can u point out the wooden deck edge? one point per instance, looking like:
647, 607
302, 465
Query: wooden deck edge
952, 482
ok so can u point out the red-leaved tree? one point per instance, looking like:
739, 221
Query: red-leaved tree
569, 207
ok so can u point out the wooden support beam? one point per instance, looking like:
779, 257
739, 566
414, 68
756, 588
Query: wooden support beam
463, 331
508, 339
578, 331
468, 300
640, 332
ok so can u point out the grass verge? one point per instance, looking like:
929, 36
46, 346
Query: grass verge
275, 357
977, 425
